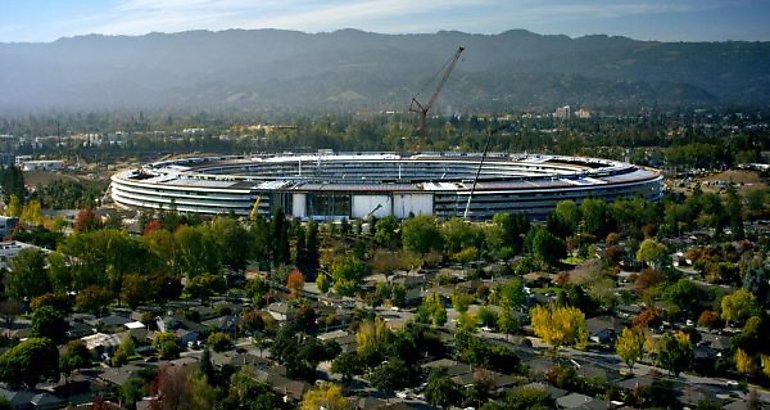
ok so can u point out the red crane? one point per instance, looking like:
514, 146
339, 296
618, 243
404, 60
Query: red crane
421, 109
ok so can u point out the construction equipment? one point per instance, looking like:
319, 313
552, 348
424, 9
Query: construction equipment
423, 110
481, 164
254, 214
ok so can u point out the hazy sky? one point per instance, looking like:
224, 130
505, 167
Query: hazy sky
667, 20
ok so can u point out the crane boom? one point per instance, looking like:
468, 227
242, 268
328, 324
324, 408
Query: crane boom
481, 164
423, 110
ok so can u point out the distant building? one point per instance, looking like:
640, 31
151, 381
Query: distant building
582, 114
9, 250
42, 165
563, 113
7, 159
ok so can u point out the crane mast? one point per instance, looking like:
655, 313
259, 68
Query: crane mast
423, 109
481, 164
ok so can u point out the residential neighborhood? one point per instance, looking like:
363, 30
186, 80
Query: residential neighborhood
631, 304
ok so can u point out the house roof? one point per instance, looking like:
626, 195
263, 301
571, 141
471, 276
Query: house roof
599, 323
113, 320
100, 340
119, 375
581, 401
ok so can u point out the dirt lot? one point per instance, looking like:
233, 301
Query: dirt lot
33, 178
745, 181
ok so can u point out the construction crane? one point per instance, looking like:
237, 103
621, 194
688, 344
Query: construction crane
254, 214
422, 109
481, 164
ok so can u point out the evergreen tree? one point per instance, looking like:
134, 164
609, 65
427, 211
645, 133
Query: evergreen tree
279, 236
312, 250
301, 251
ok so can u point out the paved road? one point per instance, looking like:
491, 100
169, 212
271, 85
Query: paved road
613, 361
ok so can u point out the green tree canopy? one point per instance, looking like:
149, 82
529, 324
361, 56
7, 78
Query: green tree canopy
29, 363
27, 276
421, 234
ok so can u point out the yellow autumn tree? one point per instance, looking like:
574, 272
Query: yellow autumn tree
559, 325
325, 396
630, 346
650, 346
765, 365
744, 363
14, 207
32, 213
371, 336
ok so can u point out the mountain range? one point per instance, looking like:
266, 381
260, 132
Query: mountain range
351, 70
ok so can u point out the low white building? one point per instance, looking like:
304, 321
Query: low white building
42, 165
9, 250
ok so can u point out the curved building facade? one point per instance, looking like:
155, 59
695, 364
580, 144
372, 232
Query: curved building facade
336, 186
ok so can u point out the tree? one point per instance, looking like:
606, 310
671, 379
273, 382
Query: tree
734, 210
322, 282
246, 392
508, 322
48, 323
27, 276
93, 299
125, 350
709, 319
391, 375
421, 234
219, 342
13, 208
136, 290
74, 356
525, 398
29, 363
387, 232
675, 352
295, 282
9, 310
511, 295
744, 363
545, 247
652, 253
765, 365
739, 306
371, 339
251, 322
325, 395
58, 301
180, 387
86, 221
486, 317
205, 285
567, 213
596, 217
347, 271
167, 345
461, 301
279, 231
347, 364
32, 213
312, 245
460, 235
432, 310
441, 390
234, 243
559, 326
630, 346
685, 294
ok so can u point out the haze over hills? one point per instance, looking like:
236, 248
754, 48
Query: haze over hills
354, 70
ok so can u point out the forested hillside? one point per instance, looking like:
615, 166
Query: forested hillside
352, 70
